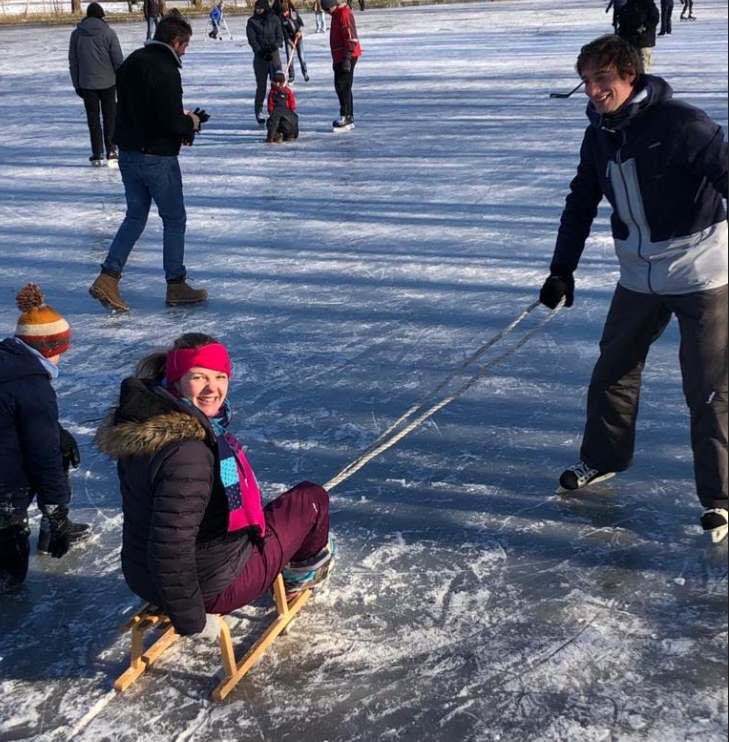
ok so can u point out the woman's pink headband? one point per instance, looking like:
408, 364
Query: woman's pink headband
214, 357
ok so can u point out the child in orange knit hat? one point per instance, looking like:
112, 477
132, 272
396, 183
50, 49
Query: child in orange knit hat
35, 452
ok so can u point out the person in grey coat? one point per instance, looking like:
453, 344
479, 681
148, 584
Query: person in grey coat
94, 56
663, 166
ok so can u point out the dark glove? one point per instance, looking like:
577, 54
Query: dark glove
70, 454
347, 63
202, 114
560, 285
79, 92
60, 526
188, 139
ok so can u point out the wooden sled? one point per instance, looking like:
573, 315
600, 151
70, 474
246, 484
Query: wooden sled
152, 617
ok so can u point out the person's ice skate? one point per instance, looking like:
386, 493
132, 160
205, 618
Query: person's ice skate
342, 124
314, 572
715, 522
579, 476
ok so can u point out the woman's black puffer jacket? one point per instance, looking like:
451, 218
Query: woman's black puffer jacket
176, 551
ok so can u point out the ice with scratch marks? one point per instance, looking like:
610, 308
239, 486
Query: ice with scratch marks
349, 275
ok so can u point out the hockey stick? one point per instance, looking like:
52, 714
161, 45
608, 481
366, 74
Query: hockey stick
562, 96
292, 56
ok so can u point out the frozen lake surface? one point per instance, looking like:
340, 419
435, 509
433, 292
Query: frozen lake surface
348, 275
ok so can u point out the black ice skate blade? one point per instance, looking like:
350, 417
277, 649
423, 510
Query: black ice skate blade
604, 478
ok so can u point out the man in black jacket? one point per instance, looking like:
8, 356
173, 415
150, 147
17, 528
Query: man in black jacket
637, 21
265, 36
662, 164
35, 452
151, 126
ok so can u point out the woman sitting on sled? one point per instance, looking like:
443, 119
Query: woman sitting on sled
197, 538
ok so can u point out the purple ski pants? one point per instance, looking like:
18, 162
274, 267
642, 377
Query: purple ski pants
297, 527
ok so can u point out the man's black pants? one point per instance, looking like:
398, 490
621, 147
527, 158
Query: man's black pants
343, 80
666, 16
634, 323
101, 102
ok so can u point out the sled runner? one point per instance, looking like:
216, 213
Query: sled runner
152, 617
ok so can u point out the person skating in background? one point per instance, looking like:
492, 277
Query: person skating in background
216, 16
346, 50
666, 17
283, 121
152, 125
293, 31
196, 536
94, 56
320, 18
687, 14
153, 11
662, 164
637, 22
35, 451
265, 36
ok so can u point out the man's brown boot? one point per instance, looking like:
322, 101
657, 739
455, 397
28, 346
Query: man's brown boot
106, 289
180, 293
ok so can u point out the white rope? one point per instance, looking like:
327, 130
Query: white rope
382, 444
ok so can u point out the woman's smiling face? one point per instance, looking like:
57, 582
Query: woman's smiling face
205, 388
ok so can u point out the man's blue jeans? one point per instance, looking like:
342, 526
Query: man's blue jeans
152, 24
147, 178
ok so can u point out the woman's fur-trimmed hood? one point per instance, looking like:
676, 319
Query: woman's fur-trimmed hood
146, 420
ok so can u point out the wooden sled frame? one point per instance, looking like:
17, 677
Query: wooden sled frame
151, 617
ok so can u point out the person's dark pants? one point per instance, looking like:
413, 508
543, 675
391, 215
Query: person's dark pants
283, 121
666, 16
688, 8
101, 102
634, 323
264, 69
300, 54
343, 80
297, 528
150, 178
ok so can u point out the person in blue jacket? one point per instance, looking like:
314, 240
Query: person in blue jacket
35, 452
662, 164
216, 16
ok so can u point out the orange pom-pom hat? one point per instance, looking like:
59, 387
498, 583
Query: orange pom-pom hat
40, 326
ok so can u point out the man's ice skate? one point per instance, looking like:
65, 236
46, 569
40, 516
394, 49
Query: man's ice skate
312, 573
579, 476
342, 124
77, 532
716, 523
112, 159
97, 160
260, 118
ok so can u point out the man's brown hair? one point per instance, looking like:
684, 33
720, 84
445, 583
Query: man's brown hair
608, 51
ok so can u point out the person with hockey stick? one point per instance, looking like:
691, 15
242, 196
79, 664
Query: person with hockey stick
292, 25
216, 16
283, 122
346, 50
197, 538
94, 56
36, 453
662, 164
151, 127
637, 21
265, 36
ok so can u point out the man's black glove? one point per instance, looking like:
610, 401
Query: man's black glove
70, 455
202, 114
560, 285
60, 525
347, 63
